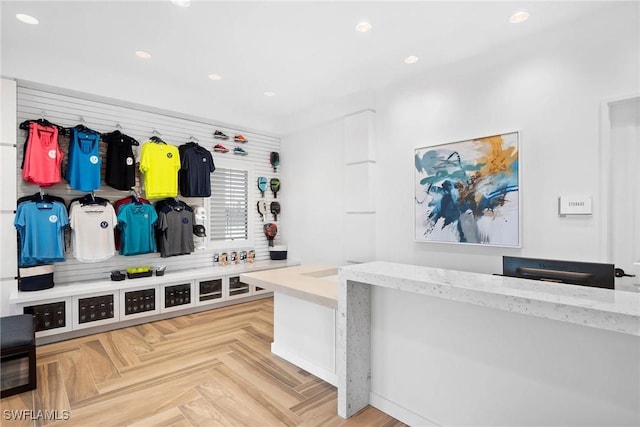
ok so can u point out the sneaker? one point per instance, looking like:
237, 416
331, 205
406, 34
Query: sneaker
220, 148
219, 135
239, 151
240, 138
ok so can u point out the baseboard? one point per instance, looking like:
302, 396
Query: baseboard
400, 413
322, 373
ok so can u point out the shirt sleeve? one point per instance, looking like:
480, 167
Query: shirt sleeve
72, 216
162, 222
153, 215
113, 215
20, 220
144, 158
63, 218
212, 167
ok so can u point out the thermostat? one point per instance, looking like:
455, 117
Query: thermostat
574, 205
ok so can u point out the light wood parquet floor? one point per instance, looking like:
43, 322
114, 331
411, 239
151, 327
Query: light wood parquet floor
213, 368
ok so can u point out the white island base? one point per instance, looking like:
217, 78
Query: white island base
304, 334
304, 316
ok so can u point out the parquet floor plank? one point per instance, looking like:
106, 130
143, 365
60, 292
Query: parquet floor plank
213, 368
51, 393
200, 413
262, 379
172, 417
261, 400
17, 404
77, 376
313, 387
101, 365
279, 368
150, 333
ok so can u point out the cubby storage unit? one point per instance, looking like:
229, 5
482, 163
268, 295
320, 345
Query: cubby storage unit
51, 317
210, 291
176, 296
95, 309
257, 290
237, 288
72, 310
138, 302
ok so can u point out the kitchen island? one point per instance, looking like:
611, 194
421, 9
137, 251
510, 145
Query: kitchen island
442, 347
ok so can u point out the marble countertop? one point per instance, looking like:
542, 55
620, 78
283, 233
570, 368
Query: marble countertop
594, 307
316, 283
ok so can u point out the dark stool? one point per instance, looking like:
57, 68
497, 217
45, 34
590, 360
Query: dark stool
18, 350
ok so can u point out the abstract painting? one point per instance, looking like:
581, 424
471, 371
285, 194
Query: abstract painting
468, 192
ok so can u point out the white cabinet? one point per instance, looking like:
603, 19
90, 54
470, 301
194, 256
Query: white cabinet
100, 308
177, 296
237, 289
52, 316
257, 290
82, 306
211, 291
139, 301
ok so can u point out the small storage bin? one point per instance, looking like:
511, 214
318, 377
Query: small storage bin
139, 275
278, 253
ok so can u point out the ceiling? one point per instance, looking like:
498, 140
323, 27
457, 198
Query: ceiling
306, 52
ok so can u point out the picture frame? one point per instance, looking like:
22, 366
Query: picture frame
468, 192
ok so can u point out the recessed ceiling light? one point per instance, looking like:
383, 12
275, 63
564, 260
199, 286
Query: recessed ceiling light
363, 27
143, 54
181, 3
215, 77
268, 93
27, 19
519, 17
411, 59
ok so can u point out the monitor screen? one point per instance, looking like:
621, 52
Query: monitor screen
551, 270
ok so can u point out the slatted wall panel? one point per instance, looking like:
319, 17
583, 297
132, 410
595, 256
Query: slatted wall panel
140, 123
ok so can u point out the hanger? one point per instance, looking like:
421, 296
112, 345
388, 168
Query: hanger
82, 127
193, 139
118, 134
41, 121
135, 197
157, 138
40, 196
91, 199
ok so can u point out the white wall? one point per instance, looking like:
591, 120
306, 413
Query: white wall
550, 88
313, 202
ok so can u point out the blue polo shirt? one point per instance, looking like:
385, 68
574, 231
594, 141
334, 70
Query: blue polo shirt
136, 222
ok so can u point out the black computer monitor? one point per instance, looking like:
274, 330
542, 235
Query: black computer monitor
593, 274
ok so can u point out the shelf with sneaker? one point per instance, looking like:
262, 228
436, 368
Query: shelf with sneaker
220, 135
240, 138
239, 151
219, 148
